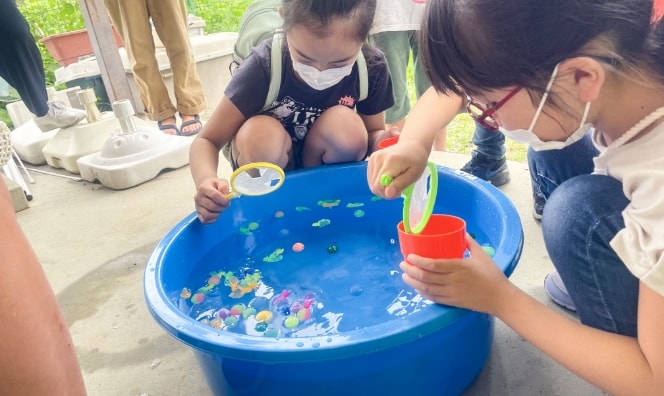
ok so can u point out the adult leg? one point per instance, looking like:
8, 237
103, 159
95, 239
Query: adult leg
170, 21
132, 20
581, 217
396, 47
21, 66
20, 61
488, 158
550, 168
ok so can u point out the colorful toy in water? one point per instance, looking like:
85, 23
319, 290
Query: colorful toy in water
282, 313
275, 256
321, 223
329, 203
253, 226
250, 281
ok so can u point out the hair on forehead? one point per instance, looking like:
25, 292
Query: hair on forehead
317, 15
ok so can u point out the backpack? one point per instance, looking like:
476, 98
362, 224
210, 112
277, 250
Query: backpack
261, 21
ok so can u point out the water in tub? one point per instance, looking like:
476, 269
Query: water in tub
316, 268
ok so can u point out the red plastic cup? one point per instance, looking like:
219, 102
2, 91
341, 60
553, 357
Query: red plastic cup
388, 142
444, 236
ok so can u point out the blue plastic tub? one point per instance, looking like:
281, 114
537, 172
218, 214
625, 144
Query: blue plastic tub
369, 333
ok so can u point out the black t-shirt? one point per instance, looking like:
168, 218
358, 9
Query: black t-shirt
298, 105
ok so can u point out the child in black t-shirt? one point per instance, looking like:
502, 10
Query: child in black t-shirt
317, 117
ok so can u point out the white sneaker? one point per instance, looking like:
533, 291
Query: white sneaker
59, 116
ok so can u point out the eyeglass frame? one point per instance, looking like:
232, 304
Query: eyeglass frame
487, 113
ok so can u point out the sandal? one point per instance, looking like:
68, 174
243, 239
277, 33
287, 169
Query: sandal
196, 120
166, 128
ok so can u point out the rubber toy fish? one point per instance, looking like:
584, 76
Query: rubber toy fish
321, 223
329, 203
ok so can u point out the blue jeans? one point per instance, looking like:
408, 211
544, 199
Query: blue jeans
549, 168
491, 144
580, 218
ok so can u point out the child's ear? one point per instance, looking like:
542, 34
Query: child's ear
588, 76
281, 11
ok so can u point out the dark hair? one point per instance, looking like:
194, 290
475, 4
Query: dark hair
486, 44
316, 14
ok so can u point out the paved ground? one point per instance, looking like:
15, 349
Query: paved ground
94, 243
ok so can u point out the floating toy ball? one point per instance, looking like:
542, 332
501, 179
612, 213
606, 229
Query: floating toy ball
214, 280
291, 322
259, 303
264, 316
333, 248
197, 298
237, 309
248, 312
296, 306
217, 324
304, 314
261, 327
230, 321
223, 313
279, 214
298, 247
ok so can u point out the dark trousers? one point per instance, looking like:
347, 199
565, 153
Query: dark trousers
20, 61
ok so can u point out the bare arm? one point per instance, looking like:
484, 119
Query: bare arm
621, 365
405, 161
38, 357
211, 191
223, 124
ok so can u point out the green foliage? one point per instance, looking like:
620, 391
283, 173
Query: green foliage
220, 16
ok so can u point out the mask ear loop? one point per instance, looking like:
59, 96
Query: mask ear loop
543, 101
585, 114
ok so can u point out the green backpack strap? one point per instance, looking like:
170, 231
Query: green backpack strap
364, 76
275, 70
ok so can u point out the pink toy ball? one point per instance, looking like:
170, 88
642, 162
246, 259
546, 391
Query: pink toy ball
298, 247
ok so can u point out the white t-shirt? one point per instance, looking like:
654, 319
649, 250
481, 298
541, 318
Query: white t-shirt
397, 15
639, 165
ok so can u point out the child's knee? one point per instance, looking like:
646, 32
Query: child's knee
261, 138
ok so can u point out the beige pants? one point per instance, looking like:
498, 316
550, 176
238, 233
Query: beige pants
132, 20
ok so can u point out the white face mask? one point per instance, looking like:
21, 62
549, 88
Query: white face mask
528, 137
320, 80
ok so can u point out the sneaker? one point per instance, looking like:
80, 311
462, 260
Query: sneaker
59, 116
493, 171
557, 292
538, 207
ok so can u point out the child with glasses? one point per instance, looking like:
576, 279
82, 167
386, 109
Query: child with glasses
566, 66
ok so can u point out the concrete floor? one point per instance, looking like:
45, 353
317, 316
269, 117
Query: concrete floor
94, 242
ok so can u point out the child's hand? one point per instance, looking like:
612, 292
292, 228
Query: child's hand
474, 283
403, 163
211, 199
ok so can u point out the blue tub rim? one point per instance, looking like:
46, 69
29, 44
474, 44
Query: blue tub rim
324, 347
